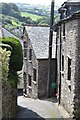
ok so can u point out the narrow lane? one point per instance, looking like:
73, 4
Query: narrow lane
35, 108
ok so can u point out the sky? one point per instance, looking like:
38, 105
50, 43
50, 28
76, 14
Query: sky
42, 2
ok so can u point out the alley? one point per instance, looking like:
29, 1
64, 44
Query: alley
35, 108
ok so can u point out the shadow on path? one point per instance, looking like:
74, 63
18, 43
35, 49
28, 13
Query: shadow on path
52, 99
27, 113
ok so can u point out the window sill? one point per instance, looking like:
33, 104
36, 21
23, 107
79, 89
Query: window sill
63, 37
25, 48
30, 61
25, 58
62, 72
34, 82
29, 87
68, 82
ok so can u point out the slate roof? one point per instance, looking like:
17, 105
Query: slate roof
6, 33
73, 1
39, 37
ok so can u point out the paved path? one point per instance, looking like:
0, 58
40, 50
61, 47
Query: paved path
35, 108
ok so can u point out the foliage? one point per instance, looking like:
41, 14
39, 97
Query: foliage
4, 63
16, 60
14, 7
13, 77
32, 16
44, 20
8, 9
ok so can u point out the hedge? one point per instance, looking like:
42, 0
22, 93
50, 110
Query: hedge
16, 59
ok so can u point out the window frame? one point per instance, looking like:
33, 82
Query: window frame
34, 74
62, 62
69, 69
30, 54
29, 80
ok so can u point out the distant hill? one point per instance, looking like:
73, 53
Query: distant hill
14, 16
41, 10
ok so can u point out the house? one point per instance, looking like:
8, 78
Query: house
6, 33
68, 56
36, 43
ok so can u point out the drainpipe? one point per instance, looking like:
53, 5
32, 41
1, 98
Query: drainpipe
61, 17
60, 69
50, 47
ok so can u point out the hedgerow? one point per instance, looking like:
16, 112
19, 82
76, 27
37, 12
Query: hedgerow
16, 58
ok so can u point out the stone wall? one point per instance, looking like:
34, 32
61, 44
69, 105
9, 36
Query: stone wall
8, 93
70, 49
9, 100
43, 77
77, 76
0, 99
29, 65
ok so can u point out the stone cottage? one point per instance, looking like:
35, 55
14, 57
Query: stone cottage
68, 56
36, 43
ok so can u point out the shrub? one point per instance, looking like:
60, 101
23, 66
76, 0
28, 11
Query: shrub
16, 59
4, 63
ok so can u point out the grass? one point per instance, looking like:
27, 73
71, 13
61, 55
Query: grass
32, 16
8, 26
16, 22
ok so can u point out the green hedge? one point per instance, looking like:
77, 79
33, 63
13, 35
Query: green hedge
16, 59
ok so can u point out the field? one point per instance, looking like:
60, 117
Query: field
32, 16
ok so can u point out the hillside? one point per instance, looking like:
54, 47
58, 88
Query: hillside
14, 16
40, 10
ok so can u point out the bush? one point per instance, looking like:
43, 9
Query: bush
4, 63
16, 59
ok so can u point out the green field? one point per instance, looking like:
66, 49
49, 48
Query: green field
16, 22
32, 16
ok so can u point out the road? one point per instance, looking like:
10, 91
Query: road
35, 108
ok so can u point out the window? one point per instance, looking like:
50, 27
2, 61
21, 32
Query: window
25, 52
34, 74
69, 69
24, 82
62, 63
25, 44
64, 29
30, 54
58, 32
29, 80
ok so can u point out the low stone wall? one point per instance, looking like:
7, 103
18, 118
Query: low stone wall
9, 100
8, 93
0, 99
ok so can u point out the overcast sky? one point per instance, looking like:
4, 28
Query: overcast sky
42, 2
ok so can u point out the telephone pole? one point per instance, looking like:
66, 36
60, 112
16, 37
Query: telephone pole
50, 47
